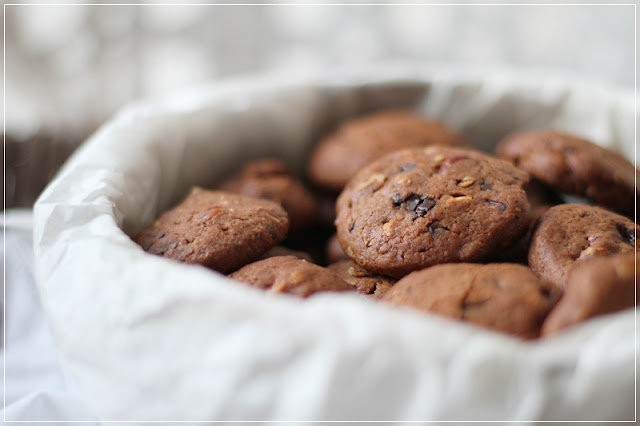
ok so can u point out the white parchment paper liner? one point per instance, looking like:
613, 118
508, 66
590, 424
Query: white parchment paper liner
150, 339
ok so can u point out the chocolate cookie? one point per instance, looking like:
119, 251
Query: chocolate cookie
574, 166
288, 274
599, 286
216, 229
418, 207
271, 179
285, 251
338, 157
364, 281
500, 296
570, 233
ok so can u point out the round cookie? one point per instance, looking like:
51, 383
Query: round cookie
501, 296
288, 274
570, 233
364, 281
575, 166
599, 286
216, 229
285, 251
271, 179
419, 207
356, 143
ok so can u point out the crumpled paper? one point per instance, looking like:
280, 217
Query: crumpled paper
146, 338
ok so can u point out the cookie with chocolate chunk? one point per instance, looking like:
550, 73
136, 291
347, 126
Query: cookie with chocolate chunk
271, 179
504, 297
216, 229
570, 233
339, 156
419, 207
599, 286
575, 166
291, 275
364, 281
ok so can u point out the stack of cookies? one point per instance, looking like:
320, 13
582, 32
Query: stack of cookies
404, 210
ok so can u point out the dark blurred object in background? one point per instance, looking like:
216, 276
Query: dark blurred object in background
71, 66
32, 162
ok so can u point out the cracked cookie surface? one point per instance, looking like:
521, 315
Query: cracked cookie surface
291, 275
419, 207
504, 297
221, 230
339, 156
570, 233
575, 166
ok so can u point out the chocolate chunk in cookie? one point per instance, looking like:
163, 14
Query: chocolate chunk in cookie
419, 207
356, 143
501, 296
364, 281
271, 179
288, 274
570, 233
574, 166
216, 229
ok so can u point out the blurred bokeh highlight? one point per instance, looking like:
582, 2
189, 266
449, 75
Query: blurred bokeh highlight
69, 68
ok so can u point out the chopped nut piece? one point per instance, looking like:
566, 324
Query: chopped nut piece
357, 272
462, 198
296, 276
387, 228
403, 180
466, 182
377, 179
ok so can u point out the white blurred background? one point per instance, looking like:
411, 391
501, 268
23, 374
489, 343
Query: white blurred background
69, 67
72, 66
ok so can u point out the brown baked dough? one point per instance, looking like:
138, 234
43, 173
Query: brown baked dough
504, 297
356, 143
216, 229
575, 166
291, 275
419, 207
570, 233
271, 179
596, 287
364, 281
